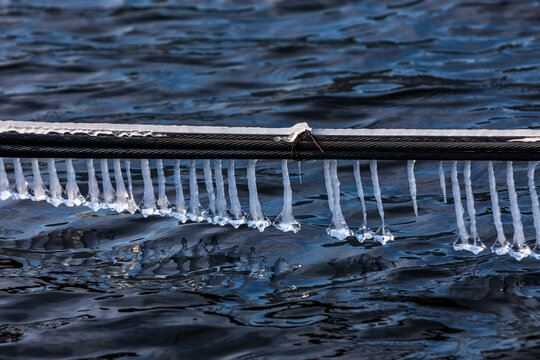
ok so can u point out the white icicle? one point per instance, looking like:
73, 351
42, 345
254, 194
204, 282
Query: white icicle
256, 218
382, 235
37, 182
162, 202
211, 212
5, 191
286, 221
412, 184
195, 211
299, 162
442, 180
180, 206
108, 190
149, 198
74, 197
501, 245
236, 215
93, 188
121, 201
132, 205
519, 249
535, 207
55, 189
20, 181
363, 233
338, 228
470, 205
221, 217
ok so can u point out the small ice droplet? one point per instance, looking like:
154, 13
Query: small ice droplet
501, 245
519, 249
256, 218
285, 221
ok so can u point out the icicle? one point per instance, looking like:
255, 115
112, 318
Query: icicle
256, 218
535, 207
285, 221
462, 242
121, 201
211, 212
180, 206
364, 233
382, 235
149, 199
519, 248
108, 191
163, 202
470, 206
93, 189
195, 212
20, 181
74, 197
221, 217
338, 228
237, 216
299, 162
55, 189
442, 180
501, 246
5, 191
37, 182
132, 205
412, 184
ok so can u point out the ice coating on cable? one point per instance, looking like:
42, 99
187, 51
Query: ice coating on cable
93, 189
285, 220
5, 191
39, 191
382, 235
164, 208
501, 246
470, 206
55, 189
108, 190
211, 210
519, 249
195, 212
442, 180
74, 197
255, 218
20, 181
236, 214
531, 166
179, 210
412, 184
338, 228
363, 233
149, 198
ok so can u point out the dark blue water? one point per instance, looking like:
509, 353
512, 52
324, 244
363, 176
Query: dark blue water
74, 284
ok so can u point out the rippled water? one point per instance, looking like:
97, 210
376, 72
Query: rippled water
79, 285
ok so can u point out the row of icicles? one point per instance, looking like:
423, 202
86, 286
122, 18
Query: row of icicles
221, 212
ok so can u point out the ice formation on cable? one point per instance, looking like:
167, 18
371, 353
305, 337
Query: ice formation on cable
211, 210
149, 198
5, 191
39, 190
501, 246
55, 189
412, 184
470, 206
132, 205
382, 235
285, 220
442, 180
363, 233
121, 201
20, 181
519, 249
255, 218
108, 190
93, 189
531, 166
163, 204
74, 197
221, 217
236, 215
195, 212
338, 227
179, 210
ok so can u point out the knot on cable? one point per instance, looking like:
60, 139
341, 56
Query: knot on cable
294, 153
